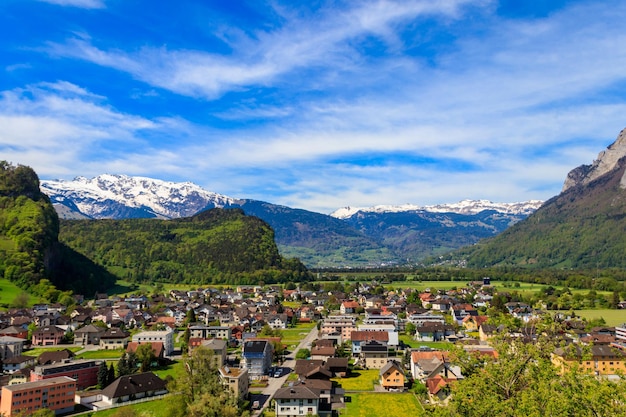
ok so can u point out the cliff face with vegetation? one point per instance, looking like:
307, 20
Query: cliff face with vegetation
29, 246
29, 226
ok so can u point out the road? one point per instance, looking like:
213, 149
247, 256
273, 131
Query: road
274, 384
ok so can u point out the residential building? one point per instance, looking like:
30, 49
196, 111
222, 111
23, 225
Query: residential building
349, 307
235, 379
359, 338
114, 339
56, 394
219, 349
374, 355
620, 333
257, 357
133, 387
602, 360
296, 401
17, 363
392, 376
164, 336
433, 332
47, 336
210, 332
88, 335
11, 346
83, 371
343, 325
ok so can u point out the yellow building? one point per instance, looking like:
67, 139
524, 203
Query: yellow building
596, 359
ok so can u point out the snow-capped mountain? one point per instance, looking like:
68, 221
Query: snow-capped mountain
462, 207
121, 196
348, 237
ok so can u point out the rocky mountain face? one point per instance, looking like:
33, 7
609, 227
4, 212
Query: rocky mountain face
606, 161
582, 227
348, 237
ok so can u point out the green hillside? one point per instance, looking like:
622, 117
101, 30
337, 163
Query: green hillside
29, 246
582, 227
215, 246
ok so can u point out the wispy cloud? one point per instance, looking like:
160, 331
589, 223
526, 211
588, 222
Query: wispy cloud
352, 103
84, 4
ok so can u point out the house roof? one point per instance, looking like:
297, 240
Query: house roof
114, 334
134, 384
255, 346
90, 328
54, 356
157, 347
362, 336
18, 359
390, 365
297, 392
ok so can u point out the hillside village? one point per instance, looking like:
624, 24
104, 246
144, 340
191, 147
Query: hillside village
409, 339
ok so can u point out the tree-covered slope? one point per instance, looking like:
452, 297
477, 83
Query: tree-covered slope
28, 225
215, 246
29, 246
583, 227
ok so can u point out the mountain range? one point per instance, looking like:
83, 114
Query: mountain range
348, 237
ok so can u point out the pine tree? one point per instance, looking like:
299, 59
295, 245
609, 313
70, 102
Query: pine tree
103, 375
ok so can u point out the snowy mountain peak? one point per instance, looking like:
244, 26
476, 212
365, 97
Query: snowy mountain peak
107, 196
462, 207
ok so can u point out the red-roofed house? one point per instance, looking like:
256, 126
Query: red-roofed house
349, 307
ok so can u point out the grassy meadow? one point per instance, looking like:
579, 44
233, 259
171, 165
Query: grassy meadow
382, 404
359, 380
611, 317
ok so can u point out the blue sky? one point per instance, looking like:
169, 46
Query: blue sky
316, 104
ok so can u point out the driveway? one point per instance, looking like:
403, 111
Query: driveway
274, 384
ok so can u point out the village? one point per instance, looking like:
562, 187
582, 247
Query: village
282, 352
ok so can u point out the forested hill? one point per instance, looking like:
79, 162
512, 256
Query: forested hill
583, 227
29, 247
215, 246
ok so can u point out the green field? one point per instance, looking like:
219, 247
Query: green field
293, 336
38, 351
102, 354
359, 380
611, 317
8, 292
382, 404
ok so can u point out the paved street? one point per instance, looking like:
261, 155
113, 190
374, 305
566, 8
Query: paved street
276, 383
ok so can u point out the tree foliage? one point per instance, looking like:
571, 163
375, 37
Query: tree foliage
203, 393
215, 246
524, 382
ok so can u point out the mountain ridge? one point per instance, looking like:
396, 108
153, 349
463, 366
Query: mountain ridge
319, 240
580, 228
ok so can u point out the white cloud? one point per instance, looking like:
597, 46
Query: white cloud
83, 4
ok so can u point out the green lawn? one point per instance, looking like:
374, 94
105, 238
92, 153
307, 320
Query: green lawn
382, 404
175, 369
38, 351
102, 354
359, 380
293, 336
408, 340
612, 317
156, 408
8, 292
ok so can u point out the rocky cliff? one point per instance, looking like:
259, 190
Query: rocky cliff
606, 161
